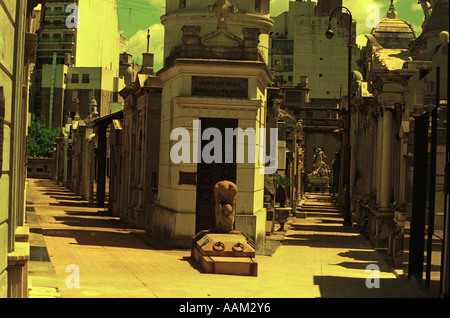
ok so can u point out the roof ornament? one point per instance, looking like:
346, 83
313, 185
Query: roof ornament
222, 10
148, 40
427, 7
392, 13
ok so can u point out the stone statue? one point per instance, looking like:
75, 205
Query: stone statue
225, 208
427, 7
320, 168
222, 9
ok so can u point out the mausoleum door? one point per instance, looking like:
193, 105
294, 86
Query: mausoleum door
208, 174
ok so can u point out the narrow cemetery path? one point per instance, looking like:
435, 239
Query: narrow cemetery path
82, 251
336, 257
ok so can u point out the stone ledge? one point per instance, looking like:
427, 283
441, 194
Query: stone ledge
22, 234
20, 256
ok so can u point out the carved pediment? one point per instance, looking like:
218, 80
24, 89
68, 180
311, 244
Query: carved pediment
221, 37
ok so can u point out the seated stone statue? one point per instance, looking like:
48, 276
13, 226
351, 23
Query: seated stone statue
225, 206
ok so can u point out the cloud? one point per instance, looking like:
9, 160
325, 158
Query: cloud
137, 44
415, 6
363, 11
157, 3
278, 6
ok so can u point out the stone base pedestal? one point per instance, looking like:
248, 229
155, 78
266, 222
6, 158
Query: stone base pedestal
397, 240
301, 215
225, 254
380, 226
318, 184
18, 271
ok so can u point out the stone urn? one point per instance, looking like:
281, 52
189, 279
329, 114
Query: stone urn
281, 215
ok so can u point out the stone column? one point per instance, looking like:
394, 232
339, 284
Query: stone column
101, 164
385, 189
379, 151
368, 169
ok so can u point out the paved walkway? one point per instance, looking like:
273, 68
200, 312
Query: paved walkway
317, 257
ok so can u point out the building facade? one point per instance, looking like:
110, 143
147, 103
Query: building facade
300, 56
134, 143
72, 32
19, 29
201, 42
299, 48
397, 140
68, 90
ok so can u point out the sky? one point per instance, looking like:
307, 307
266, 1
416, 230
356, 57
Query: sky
137, 16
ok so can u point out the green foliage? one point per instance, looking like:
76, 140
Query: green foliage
398, 206
40, 138
284, 181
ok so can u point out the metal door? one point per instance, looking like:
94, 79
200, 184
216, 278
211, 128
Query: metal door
208, 174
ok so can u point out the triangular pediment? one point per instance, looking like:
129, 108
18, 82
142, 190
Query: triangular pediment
221, 37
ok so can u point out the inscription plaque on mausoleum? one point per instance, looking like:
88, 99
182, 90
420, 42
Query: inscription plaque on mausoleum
219, 86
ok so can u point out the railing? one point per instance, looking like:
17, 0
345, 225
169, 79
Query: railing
281, 51
321, 122
65, 40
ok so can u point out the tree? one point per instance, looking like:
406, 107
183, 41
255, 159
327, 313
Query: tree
40, 138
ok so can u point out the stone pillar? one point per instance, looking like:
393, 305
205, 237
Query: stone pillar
101, 164
386, 174
378, 160
369, 162
18, 270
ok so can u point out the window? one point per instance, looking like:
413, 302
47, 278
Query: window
57, 35
293, 96
258, 5
74, 95
75, 78
278, 79
182, 4
85, 78
58, 9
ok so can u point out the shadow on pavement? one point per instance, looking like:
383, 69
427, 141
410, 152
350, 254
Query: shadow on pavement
101, 238
72, 203
349, 287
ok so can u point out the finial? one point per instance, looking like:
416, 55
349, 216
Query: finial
77, 113
148, 40
392, 14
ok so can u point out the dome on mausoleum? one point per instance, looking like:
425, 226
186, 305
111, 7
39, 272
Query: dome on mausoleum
392, 32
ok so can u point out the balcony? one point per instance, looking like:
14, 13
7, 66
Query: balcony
56, 14
61, 41
331, 123
281, 51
